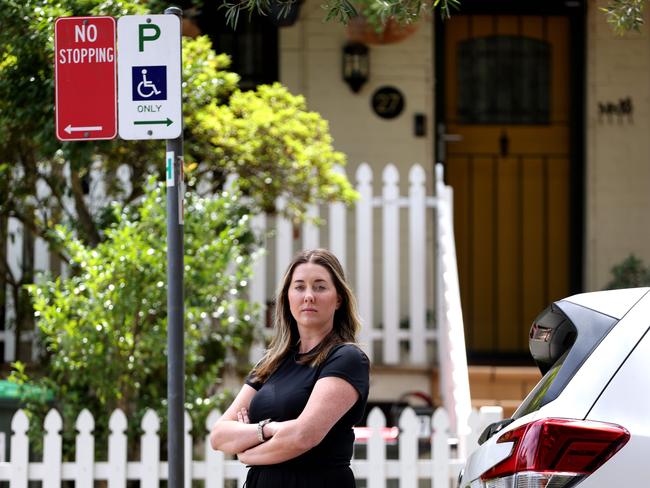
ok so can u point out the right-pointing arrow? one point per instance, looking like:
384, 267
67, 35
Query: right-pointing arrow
167, 122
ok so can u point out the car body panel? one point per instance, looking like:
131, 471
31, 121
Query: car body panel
630, 388
486, 456
615, 303
616, 373
626, 469
583, 389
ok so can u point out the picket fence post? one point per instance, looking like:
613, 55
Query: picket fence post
150, 451
453, 374
117, 449
187, 449
283, 241
408, 448
257, 288
364, 256
390, 267
85, 450
52, 450
417, 260
19, 451
376, 450
14, 256
440, 449
214, 460
311, 231
338, 229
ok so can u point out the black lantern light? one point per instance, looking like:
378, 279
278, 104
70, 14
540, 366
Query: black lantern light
356, 65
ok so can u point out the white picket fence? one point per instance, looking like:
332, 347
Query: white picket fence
415, 242
452, 356
392, 246
385, 241
409, 459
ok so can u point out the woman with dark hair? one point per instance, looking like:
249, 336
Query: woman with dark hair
292, 420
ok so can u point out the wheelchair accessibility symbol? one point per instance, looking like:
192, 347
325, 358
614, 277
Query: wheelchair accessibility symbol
149, 82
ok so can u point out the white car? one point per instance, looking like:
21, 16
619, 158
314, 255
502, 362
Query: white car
587, 422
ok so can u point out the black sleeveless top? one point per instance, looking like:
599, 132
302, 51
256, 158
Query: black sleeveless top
285, 393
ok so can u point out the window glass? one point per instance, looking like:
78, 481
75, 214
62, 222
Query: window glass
535, 399
503, 80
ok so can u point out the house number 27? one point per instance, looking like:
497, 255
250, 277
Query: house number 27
387, 102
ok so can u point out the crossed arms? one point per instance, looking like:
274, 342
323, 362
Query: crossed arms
330, 399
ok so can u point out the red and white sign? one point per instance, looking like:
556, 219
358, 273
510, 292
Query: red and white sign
85, 74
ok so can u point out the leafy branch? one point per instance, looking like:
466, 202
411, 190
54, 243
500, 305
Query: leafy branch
377, 11
625, 15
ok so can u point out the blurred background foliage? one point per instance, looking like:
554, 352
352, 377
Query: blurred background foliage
629, 273
103, 326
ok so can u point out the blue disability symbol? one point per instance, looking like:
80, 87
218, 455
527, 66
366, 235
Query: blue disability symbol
149, 82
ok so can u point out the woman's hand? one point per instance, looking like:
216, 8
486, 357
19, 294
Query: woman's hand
242, 416
271, 429
233, 432
243, 458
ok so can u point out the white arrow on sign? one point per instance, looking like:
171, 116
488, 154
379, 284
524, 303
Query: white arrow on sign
69, 129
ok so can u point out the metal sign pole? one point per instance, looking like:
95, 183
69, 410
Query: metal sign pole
175, 310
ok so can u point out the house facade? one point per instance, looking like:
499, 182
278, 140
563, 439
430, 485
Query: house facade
540, 115
538, 111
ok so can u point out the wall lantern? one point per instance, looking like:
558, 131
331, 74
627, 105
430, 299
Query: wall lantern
356, 65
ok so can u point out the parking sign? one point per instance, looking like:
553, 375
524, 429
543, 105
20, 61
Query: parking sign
149, 77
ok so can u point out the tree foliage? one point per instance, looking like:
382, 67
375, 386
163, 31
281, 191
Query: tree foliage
376, 11
625, 15
622, 15
104, 328
268, 138
45, 182
629, 273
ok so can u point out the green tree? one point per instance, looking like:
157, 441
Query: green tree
629, 273
285, 156
623, 15
104, 328
377, 11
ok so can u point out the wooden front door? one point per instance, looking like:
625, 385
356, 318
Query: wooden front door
507, 115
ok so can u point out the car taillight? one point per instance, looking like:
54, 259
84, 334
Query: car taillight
554, 453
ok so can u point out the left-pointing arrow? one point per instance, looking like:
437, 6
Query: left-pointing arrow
69, 129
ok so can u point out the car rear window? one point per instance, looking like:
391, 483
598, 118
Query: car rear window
561, 339
535, 398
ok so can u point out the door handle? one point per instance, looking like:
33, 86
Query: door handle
504, 144
443, 139
451, 137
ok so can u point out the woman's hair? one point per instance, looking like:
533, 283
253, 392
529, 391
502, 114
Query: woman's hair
346, 318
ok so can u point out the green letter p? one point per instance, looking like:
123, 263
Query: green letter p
142, 37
